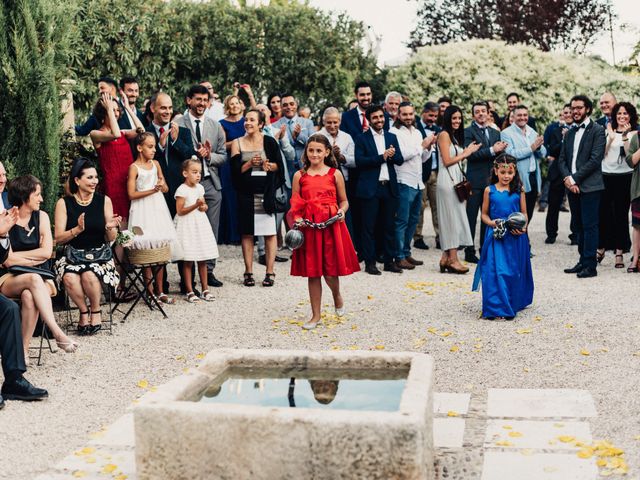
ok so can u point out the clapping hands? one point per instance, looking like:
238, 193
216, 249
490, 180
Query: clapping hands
8, 219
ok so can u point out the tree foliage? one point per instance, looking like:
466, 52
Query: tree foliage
490, 69
546, 24
171, 45
31, 64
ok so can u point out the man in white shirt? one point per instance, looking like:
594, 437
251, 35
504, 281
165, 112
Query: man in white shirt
415, 151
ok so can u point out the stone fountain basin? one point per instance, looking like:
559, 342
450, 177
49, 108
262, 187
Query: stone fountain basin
178, 438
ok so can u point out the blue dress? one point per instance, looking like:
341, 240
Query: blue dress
229, 231
505, 265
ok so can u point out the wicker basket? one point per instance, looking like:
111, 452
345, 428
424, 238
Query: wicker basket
149, 255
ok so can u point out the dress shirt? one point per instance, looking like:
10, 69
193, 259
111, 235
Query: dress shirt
431, 130
2, 207
485, 132
344, 141
5, 243
614, 158
410, 142
360, 114
205, 168
381, 147
576, 145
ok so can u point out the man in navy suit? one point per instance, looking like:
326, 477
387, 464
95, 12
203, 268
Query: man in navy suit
580, 162
354, 121
105, 85
174, 146
376, 188
129, 86
607, 102
479, 165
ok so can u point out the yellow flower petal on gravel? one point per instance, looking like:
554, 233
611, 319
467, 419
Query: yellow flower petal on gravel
79, 474
585, 352
515, 434
120, 477
601, 462
637, 437
522, 331
566, 438
109, 468
537, 318
143, 383
452, 413
569, 325
504, 443
379, 347
87, 450
507, 427
446, 334
199, 356
433, 330
585, 453
369, 297
180, 357
90, 459
454, 348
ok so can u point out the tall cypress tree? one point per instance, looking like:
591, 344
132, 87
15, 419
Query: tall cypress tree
31, 49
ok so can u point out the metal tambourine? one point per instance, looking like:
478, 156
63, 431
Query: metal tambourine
295, 238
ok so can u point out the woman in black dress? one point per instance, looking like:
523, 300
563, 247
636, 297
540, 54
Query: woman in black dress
84, 220
31, 246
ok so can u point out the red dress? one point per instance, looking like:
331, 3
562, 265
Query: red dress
324, 252
115, 158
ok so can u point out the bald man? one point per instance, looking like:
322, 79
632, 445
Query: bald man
174, 145
607, 102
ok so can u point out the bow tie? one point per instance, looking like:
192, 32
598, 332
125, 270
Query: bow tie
582, 125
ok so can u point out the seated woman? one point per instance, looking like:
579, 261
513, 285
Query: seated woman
84, 221
31, 246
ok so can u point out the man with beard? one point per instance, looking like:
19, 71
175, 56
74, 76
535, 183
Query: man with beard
354, 121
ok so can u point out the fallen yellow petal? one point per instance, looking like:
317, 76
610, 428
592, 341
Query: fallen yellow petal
586, 453
504, 443
515, 434
369, 297
601, 462
584, 352
379, 347
507, 427
87, 450
79, 474
446, 334
522, 331
451, 413
120, 477
566, 438
454, 348
199, 356
143, 384
109, 468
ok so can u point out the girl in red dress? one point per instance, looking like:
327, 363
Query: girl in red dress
319, 194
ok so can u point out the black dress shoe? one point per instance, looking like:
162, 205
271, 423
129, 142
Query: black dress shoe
392, 267
371, 269
281, 259
575, 269
21, 389
262, 259
213, 281
470, 257
93, 329
420, 244
587, 273
438, 243
550, 240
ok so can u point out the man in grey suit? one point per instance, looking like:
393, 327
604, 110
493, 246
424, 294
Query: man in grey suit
479, 166
580, 162
298, 129
208, 137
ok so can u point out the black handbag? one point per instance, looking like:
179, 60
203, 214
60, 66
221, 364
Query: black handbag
78, 256
45, 273
281, 200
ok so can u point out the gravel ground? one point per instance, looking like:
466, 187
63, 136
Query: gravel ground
421, 310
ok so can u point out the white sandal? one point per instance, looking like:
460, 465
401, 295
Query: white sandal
206, 296
192, 298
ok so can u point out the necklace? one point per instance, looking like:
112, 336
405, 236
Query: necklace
82, 203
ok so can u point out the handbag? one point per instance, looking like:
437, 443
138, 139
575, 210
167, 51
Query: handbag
463, 188
281, 200
77, 256
21, 269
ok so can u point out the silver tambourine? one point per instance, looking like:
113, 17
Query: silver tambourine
295, 238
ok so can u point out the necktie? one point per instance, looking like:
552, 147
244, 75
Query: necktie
161, 130
485, 131
166, 147
365, 125
198, 133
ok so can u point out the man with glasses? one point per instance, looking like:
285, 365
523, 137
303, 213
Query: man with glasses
580, 165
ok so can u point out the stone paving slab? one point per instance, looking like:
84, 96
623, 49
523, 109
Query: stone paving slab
446, 402
535, 434
548, 403
119, 434
538, 466
448, 432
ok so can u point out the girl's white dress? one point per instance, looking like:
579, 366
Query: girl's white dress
152, 215
195, 234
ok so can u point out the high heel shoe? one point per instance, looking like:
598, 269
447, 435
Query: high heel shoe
93, 329
67, 347
600, 255
453, 268
444, 263
83, 329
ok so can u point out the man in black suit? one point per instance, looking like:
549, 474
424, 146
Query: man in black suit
174, 146
580, 162
354, 121
479, 165
376, 153
554, 134
15, 386
129, 87
607, 102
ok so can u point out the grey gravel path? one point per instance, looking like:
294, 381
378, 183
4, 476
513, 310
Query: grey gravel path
421, 310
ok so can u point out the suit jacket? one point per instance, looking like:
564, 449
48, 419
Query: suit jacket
603, 121
588, 174
299, 143
519, 146
480, 163
92, 123
351, 123
5, 201
212, 131
553, 142
125, 124
368, 163
4, 252
171, 161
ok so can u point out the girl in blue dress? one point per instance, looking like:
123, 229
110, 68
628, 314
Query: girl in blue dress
505, 265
